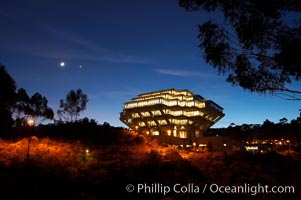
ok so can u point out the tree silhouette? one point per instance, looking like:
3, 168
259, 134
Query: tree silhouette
283, 120
35, 107
255, 44
74, 103
231, 125
39, 107
22, 107
7, 97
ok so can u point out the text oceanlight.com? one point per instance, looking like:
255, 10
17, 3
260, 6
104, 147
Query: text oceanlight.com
190, 188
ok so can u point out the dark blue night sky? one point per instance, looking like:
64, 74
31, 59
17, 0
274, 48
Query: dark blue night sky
114, 50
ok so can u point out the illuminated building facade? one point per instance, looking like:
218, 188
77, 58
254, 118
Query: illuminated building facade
172, 116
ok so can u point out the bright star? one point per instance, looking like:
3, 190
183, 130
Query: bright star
62, 64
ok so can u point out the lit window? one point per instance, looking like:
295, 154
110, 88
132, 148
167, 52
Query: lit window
155, 133
181, 103
141, 124
197, 133
152, 123
175, 133
145, 114
183, 134
135, 115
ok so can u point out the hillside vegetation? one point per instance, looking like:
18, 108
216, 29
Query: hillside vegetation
73, 169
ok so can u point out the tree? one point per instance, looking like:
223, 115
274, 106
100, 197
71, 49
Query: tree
39, 107
35, 107
298, 119
256, 44
75, 102
7, 98
22, 107
283, 121
231, 125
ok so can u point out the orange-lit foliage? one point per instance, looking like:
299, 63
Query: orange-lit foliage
76, 157
46, 151
142, 159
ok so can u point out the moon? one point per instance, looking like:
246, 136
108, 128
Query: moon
62, 64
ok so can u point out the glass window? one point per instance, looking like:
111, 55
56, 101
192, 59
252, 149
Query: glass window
183, 134
175, 133
145, 114
162, 122
190, 103
141, 124
157, 112
135, 115
155, 133
152, 123
181, 103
